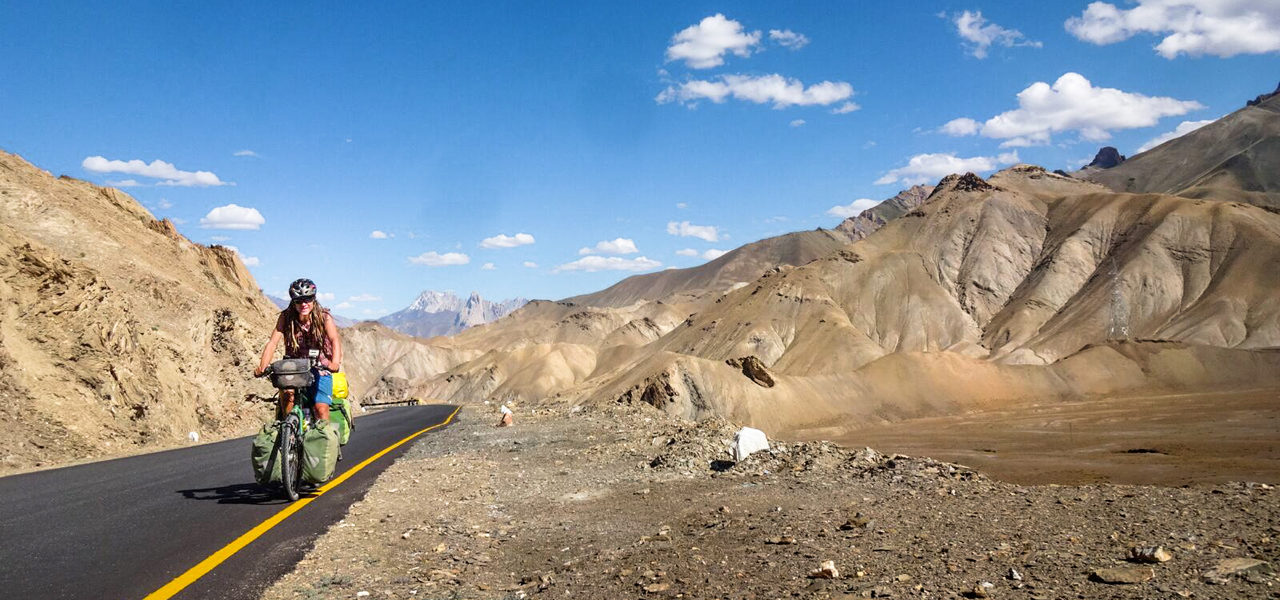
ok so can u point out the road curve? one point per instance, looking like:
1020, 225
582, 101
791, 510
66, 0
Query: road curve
125, 528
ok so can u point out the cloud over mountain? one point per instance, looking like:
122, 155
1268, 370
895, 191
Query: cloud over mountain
1072, 103
853, 209
592, 264
686, 229
156, 169
1182, 129
924, 168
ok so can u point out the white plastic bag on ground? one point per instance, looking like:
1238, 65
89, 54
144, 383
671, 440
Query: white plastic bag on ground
747, 441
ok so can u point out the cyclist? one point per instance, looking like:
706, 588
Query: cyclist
305, 325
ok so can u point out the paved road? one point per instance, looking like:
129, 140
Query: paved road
124, 528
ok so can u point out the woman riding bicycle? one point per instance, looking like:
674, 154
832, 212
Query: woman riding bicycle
306, 326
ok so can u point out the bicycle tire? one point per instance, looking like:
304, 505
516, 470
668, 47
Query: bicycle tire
289, 465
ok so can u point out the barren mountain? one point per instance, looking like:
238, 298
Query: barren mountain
1030, 285
872, 219
738, 266
1233, 158
443, 313
116, 332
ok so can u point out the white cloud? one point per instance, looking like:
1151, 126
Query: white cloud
703, 46
981, 34
326, 296
685, 229
925, 168
789, 39
682, 205
249, 261
528, 264
797, 122
232, 216
364, 298
218, 238
435, 259
775, 89
245, 153
1182, 129
344, 306
380, 235
960, 127
616, 246
592, 264
507, 241
1073, 104
164, 204
1223, 28
710, 254
124, 183
488, 267
156, 169
853, 209
845, 108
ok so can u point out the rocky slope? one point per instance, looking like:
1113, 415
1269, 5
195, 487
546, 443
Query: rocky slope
628, 504
1029, 285
1233, 158
872, 219
740, 265
443, 313
116, 332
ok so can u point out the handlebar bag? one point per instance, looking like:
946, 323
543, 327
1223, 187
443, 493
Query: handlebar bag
292, 373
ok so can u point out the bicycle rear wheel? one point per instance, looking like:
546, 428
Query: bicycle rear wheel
290, 467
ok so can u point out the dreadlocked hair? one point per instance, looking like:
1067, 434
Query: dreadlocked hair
315, 332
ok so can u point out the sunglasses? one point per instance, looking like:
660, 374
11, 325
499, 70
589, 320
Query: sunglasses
304, 300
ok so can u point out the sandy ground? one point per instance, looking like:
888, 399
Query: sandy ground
1173, 439
628, 504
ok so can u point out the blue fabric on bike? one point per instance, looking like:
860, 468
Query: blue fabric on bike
321, 391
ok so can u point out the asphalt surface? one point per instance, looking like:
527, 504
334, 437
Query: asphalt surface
124, 528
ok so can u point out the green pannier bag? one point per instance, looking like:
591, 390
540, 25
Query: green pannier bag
340, 416
320, 452
266, 466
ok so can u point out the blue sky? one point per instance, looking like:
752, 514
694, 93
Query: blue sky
613, 136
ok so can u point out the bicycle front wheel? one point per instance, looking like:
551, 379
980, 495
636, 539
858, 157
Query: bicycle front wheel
290, 467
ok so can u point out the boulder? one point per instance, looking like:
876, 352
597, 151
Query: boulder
748, 440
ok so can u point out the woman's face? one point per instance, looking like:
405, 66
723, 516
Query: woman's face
304, 307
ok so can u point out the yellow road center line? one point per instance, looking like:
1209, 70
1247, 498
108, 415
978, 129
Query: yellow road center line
182, 581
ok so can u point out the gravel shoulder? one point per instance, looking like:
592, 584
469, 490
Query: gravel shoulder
625, 502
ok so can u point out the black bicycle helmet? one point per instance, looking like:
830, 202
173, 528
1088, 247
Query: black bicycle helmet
302, 288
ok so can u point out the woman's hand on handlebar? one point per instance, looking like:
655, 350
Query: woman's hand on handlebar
261, 371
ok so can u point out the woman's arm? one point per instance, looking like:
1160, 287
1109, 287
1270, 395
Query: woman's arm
270, 350
331, 330
268, 353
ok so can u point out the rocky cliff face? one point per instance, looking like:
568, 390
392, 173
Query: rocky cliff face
1106, 158
443, 313
1026, 285
116, 332
872, 219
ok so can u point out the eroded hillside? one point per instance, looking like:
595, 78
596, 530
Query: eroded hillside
116, 332
1030, 285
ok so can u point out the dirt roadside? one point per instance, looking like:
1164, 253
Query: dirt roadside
625, 503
